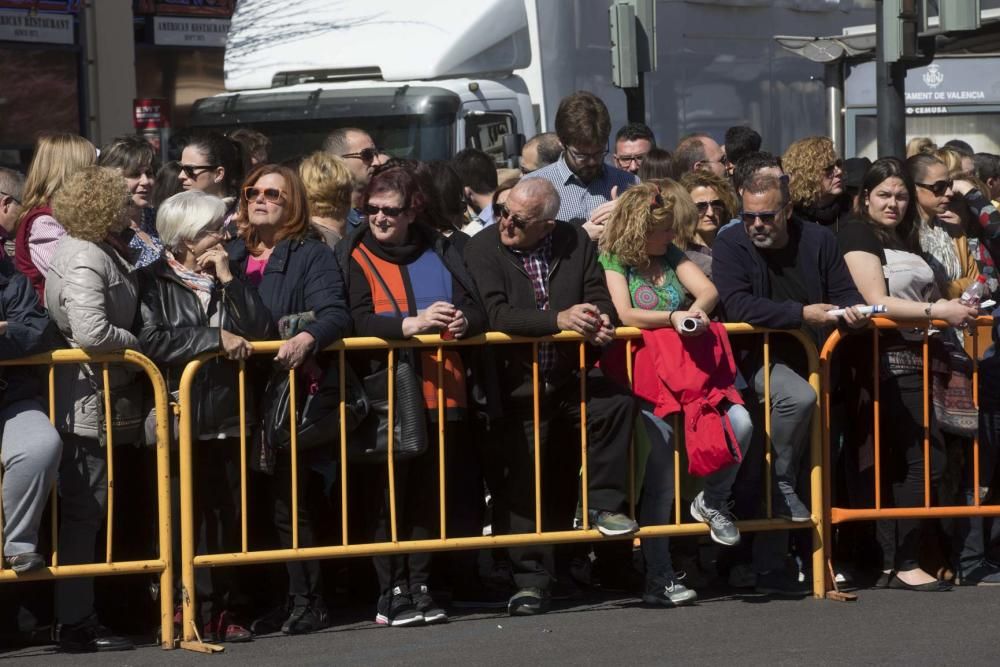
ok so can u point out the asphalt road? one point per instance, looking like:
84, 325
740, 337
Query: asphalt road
884, 627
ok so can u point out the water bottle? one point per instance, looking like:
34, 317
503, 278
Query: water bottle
973, 294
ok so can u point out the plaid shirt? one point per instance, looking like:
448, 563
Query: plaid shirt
536, 265
577, 200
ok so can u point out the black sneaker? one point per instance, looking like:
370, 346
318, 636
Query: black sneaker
528, 602
670, 594
396, 609
306, 618
271, 621
425, 604
89, 636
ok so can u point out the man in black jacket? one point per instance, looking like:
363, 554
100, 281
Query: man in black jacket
780, 273
538, 276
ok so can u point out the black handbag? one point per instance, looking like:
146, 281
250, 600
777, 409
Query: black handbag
317, 414
370, 443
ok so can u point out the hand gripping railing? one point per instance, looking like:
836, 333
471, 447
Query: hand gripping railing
161, 564
245, 555
838, 515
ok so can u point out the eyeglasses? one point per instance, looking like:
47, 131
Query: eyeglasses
716, 204
629, 159
271, 195
767, 217
193, 171
7, 194
596, 156
365, 154
214, 228
388, 211
839, 164
504, 213
938, 188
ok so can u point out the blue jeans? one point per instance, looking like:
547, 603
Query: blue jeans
658, 485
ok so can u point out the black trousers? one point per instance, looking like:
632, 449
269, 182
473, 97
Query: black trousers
611, 414
217, 520
304, 578
416, 484
903, 466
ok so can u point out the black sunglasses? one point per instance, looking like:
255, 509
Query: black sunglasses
7, 194
767, 217
365, 154
194, 170
938, 188
504, 212
388, 211
702, 206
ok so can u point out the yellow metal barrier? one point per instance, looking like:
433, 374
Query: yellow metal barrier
163, 564
245, 556
837, 515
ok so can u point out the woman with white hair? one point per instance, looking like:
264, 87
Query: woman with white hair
194, 300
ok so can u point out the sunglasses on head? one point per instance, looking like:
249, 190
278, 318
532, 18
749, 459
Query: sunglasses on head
388, 211
716, 204
193, 171
272, 195
938, 188
365, 154
767, 217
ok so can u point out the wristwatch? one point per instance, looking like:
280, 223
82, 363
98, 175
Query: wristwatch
927, 310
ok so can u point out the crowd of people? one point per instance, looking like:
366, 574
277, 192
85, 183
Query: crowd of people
112, 251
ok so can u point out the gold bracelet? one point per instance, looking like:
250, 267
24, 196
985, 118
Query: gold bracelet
927, 310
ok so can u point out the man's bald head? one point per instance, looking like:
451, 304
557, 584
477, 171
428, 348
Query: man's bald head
539, 195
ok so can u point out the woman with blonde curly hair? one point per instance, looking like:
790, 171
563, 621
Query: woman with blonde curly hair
92, 296
817, 181
57, 156
653, 285
715, 203
328, 186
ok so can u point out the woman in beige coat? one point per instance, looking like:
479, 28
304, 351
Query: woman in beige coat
92, 296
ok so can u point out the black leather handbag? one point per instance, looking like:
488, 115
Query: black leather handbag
370, 441
317, 414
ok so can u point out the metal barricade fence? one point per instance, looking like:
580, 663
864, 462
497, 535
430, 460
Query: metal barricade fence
244, 556
838, 515
162, 564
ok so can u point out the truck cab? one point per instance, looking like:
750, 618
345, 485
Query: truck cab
424, 79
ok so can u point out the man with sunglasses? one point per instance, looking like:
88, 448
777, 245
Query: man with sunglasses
538, 276
358, 150
586, 185
779, 272
11, 184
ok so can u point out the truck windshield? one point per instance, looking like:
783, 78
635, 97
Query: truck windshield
415, 137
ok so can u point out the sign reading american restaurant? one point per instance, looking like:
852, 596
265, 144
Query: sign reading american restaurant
19, 26
184, 31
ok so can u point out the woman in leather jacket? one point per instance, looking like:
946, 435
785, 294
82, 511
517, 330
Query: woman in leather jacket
194, 301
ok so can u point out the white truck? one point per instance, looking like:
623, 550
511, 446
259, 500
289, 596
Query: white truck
429, 77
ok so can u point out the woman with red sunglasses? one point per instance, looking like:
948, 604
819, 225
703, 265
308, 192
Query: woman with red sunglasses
298, 278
